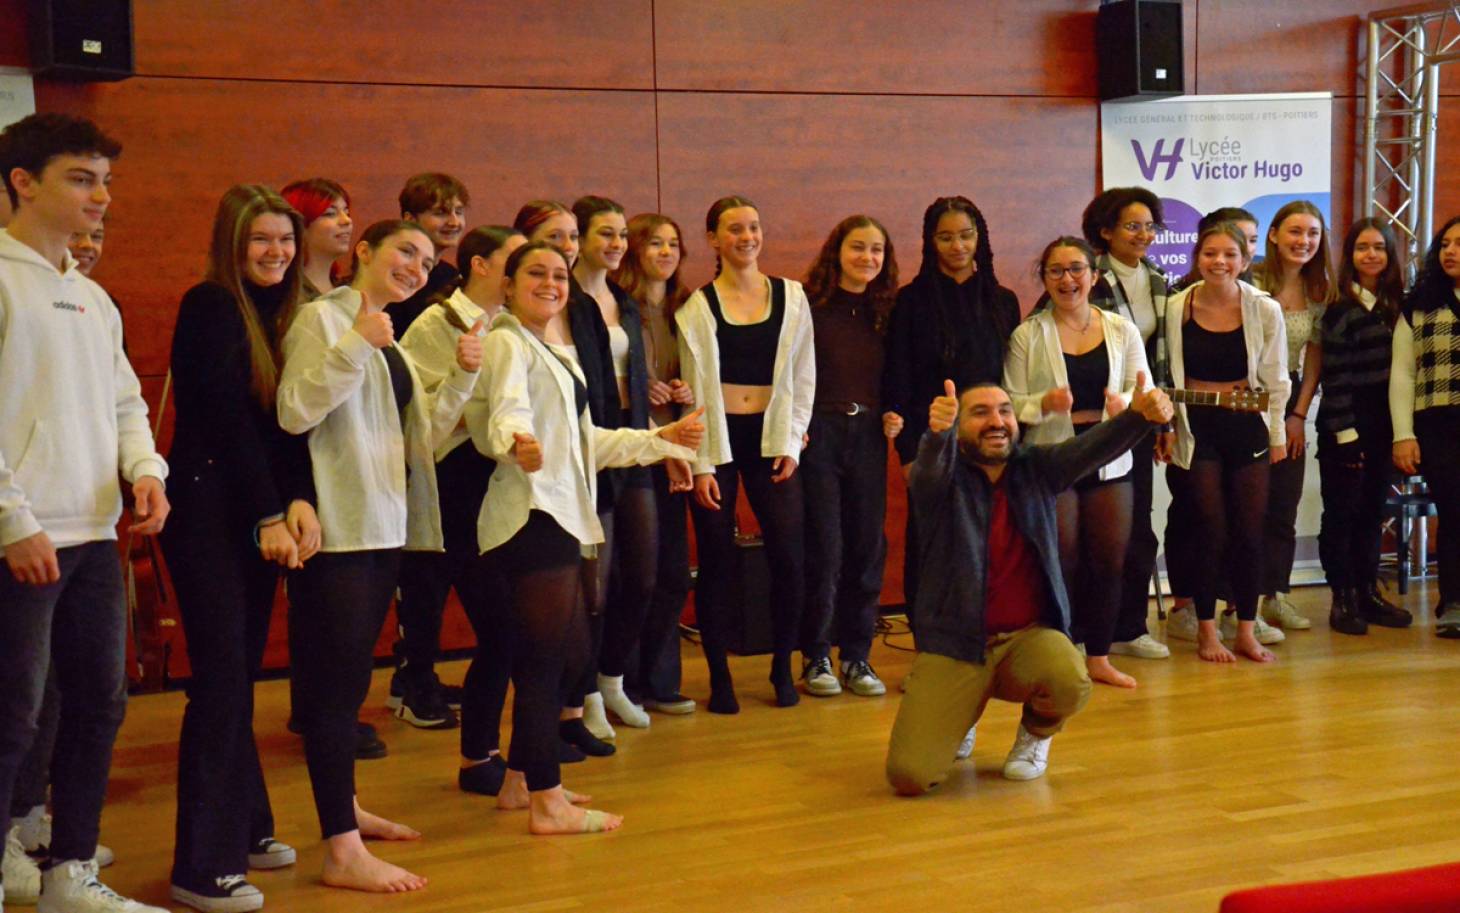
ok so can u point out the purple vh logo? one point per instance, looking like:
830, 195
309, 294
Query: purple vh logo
1159, 157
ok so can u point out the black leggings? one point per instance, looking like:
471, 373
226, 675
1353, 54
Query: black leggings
780, 509
585, 681
1224, 495
1438, 432
484, 595
1094, 534
548, 627
337, 604
658, 670
632, 571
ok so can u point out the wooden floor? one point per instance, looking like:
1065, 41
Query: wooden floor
1340, 759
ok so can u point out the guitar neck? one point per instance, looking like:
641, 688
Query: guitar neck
1195, 397
1238, 400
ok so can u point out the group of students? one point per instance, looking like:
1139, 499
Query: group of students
532, 426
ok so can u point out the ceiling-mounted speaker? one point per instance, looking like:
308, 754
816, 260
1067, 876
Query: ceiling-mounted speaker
1139, 46
82, 40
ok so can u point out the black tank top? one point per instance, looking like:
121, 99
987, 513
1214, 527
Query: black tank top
748, 351
1209, 355
1088, 374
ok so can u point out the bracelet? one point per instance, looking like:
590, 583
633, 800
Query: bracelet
1297, 414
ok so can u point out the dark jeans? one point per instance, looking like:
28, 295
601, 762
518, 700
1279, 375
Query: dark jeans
338, 603
780, 509
225, 594
427, 577
33, 781
78, 626
844, 477
656, 670
1140, 553
1438, 431
1353, 509
1280, 525
548, 628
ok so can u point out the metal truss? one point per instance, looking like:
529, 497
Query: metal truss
1406, 47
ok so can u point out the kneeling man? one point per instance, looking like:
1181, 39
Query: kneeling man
992, 616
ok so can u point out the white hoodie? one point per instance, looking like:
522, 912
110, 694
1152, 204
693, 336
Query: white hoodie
71, 409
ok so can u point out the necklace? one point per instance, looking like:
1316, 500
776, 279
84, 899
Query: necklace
1089, 316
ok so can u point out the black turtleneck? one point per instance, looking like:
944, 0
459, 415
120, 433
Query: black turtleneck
849, 350
222, 430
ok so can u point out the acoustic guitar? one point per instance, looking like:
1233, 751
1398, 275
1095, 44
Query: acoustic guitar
1239, 399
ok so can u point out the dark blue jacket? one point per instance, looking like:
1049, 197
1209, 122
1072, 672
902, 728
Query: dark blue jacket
951, 500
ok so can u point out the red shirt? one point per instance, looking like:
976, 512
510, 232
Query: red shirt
1014, 594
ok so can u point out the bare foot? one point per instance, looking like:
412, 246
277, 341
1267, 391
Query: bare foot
554, 813
347, 864
377, 828
1101, 670
1209, 644
1247, 645
514, 796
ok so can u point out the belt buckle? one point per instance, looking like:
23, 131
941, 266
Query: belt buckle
856, 409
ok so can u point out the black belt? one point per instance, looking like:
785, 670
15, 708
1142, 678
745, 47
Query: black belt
845, 408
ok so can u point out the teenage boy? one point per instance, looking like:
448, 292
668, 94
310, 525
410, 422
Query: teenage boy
71, 418
436, 202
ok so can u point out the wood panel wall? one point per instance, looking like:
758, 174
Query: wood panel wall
815, 109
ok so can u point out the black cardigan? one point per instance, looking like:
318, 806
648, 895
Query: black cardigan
590, 339
934, 335
219, 420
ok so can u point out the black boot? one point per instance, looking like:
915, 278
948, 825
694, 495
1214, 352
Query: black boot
1344, 617
1377, 610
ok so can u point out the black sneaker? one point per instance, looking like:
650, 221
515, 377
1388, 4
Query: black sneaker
424, 706
369, 746
224, 894
397, 690
1379, 611
451, 694
575, 733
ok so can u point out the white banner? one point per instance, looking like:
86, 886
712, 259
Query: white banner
17, 96
1202, 152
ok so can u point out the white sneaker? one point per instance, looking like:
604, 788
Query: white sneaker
72, 887
22, 875
618, 703
1144, 647
861, 680
35, 836
965, 747
1279, 611
1264, 632
1029, 757
1180, 624
595, 719
820, 680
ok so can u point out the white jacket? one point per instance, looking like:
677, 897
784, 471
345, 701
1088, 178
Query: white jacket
1036, 364
71, 409
431, 343
793, 381
1266, 335
336, 386
529, 390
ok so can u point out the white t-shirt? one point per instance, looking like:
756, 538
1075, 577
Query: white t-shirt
1136, 283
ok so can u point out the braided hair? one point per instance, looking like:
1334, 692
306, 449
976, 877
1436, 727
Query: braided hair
986, 284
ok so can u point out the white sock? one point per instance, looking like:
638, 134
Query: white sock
595, 719
614, 698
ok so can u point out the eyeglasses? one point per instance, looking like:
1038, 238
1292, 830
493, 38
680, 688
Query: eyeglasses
968, 236
1148, 228
1076, 270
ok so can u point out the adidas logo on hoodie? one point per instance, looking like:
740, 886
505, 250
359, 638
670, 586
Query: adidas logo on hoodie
68, 306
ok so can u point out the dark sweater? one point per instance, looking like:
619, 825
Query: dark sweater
940, 330
849, 351
1357, 345
953, 498
220, 422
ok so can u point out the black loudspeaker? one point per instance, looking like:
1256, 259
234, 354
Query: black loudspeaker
83, 40
1138, 43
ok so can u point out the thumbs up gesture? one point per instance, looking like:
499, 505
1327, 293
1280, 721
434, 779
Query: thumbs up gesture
1154, 404
374, 326
469, 349
1060, 399
944, 410
1114, 404
527, 451
687, 432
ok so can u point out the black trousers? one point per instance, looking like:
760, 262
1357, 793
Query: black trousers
338, 603
1353, 507
844, 480
77, 627
655, 671
1140, 554
1438, 431
427, 577
632, 570
548, 626
1280, 525
225, 595
780, 509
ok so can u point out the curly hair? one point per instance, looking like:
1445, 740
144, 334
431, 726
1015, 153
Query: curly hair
824, 277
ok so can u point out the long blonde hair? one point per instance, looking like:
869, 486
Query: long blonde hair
241, 204
1319, 283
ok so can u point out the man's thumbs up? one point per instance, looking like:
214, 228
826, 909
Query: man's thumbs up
944, 410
